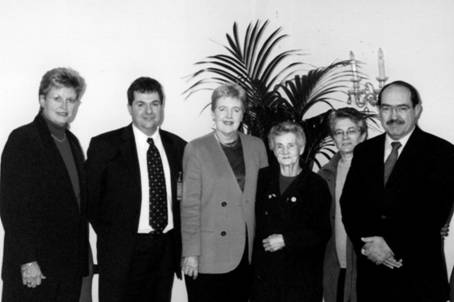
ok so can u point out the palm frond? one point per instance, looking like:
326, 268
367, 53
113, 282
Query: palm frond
276, 88
254, 64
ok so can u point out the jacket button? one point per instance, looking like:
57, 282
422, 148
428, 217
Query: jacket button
266, 212
384, 217
223, 233
224, 204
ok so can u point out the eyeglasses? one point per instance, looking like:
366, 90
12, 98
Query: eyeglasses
60, 100
400, 109
349, 132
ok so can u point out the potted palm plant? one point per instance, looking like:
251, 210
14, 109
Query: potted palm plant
277, 90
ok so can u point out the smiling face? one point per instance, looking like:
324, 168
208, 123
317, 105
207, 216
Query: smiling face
146, 111
287, 150
227, 115
347, 135
398, 115
59, 105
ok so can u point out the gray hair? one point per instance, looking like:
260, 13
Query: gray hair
350, 113
287, 127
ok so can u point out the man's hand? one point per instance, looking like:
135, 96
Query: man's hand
377, 250
190, 266
31, 274
273, 242
392, 263
445, 230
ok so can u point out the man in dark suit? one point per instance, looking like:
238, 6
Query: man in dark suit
396, 198
134, 201
42, 194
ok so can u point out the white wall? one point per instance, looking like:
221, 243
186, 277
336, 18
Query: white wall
111, 42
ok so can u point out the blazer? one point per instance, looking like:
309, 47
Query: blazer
39, 210
301, 215
215, 213
331, 268
114, 196
408, 213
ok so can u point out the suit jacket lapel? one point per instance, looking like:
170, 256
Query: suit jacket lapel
274, 180
378, 160
54, 159
172, 159
79, 162
248, 154
221, 161
128, 152
407, 159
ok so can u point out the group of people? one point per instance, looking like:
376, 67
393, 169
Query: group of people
365, 228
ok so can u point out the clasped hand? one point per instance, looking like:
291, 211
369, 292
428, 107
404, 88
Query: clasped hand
377, 250
273, 242
31, 274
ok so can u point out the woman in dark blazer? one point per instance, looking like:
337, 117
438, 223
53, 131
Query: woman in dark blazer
217, 211
348, 128
292, 212
42, 201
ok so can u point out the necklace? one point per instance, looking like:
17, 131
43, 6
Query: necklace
60, 140
229, 144
232, 144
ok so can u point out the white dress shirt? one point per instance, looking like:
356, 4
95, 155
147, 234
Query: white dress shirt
389, 148
142, 148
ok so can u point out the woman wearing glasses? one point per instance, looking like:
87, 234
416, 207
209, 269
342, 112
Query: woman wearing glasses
348, 128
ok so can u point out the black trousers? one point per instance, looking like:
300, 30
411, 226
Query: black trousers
233, 286
341, 285
150, 276
265, 291
49, 291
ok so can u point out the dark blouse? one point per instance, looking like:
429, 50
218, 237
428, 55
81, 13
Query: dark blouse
236, 159
64, 148
284, 182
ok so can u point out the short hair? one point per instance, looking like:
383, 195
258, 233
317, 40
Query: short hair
62, 77
145, 85
350, 113
414, 94
284, 128
229, 90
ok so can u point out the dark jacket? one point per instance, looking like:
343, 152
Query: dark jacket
331, 267
301, 215
114, 189
408, 213
40, 213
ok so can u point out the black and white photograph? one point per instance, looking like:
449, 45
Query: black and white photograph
237, 151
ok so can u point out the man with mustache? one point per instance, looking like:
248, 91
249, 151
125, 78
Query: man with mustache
396, 198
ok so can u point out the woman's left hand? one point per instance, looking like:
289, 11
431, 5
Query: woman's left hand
273, 242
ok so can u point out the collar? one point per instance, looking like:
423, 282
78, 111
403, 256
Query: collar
403, 140
141, 137
331, 166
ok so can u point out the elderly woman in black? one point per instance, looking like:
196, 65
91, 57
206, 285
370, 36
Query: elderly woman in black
292, 214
